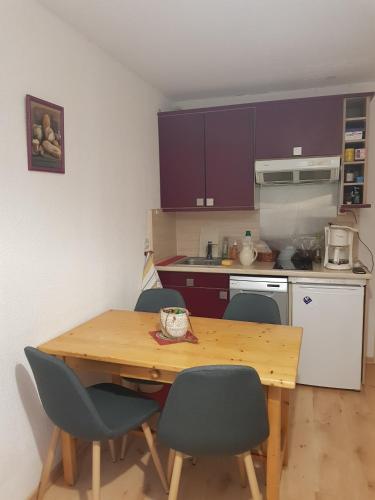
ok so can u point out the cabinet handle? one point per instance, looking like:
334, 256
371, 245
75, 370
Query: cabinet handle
189, 281
223, 294
210, 202
200, 202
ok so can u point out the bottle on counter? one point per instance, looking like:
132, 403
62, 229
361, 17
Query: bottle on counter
234, 251
225, 248
248, 253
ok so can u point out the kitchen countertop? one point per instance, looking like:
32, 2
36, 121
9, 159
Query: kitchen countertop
264, 269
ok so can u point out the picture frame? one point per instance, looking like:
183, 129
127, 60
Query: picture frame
45, 135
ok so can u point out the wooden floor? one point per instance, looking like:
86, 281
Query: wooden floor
332, 457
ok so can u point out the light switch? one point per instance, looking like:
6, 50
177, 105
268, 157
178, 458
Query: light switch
297, 151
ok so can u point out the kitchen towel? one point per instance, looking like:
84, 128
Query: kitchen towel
150, 278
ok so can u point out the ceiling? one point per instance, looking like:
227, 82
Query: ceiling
208, 48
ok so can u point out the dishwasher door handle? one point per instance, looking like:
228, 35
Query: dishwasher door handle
259, 287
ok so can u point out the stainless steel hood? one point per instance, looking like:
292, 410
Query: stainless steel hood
297, 170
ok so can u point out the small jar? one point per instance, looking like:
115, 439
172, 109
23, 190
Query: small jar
349, 177
234, 251
349, 154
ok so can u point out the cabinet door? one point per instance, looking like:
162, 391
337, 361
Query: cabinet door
181, 148
206, 302
230, 158
314, 125
205, 294
172, 279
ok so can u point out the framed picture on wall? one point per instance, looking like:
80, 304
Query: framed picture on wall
45, 135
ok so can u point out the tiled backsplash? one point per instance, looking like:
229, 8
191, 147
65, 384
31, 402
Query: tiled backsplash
193, 227
285, 211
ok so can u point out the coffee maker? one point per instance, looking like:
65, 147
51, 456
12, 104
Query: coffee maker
339, 247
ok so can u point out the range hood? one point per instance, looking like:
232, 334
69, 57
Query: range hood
297, 170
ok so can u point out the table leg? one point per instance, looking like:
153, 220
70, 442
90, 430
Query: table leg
69, 458
274, 444
285, 424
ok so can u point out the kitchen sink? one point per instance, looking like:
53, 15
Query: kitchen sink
198, 261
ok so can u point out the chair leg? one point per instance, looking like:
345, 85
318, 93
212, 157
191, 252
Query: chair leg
47, 466
96, 470
123, 446
155, 457
241, 467
171, 457
112, 449
176, 475
194, 460
251, 476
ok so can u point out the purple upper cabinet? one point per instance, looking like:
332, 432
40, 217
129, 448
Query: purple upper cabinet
230, 158
313, 124
182, 163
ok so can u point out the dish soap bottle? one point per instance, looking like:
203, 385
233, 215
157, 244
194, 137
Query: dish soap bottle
248, 253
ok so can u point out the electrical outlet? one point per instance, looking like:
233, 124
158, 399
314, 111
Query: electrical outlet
297, 151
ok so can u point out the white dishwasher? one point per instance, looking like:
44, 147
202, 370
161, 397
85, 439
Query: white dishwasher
271, 286
331, 315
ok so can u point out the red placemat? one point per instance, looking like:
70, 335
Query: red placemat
162, 340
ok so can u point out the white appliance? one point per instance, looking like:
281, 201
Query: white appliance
274, 287
339, 247
331, 315
297, 170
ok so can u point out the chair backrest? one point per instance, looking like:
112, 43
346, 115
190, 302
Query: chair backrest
214, 410
64, 399
154, 299
253, 307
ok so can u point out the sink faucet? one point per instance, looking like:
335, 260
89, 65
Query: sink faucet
209, 251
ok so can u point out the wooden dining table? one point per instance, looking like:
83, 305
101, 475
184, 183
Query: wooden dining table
118, 343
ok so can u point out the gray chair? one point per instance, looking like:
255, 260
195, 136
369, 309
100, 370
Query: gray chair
102, 411
152, 301
253, 307
214, 410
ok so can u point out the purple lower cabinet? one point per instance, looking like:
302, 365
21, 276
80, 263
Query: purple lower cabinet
313, 124
205, 294
206, 302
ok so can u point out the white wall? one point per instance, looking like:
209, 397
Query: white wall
71, 246
367, 216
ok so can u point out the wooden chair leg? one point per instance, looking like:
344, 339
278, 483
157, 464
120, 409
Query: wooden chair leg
112, 449
241, 467
251, 476
155, 456
176, 475
96, 470
194, 460
123, 446
47, 466
171, 456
